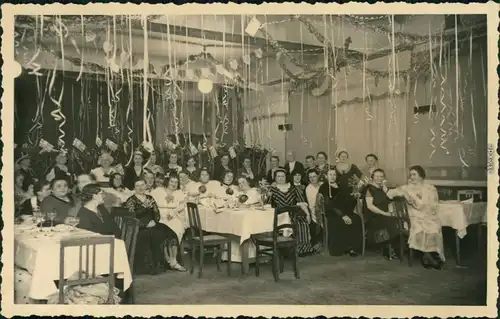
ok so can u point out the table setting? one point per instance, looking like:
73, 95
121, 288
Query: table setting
37, 254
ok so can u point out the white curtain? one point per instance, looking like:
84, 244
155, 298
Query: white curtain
378, 127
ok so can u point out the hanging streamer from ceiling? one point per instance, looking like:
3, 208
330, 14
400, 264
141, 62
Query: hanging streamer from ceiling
431, 97
444, 108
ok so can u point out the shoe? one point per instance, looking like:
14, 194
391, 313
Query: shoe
352, 253
178, 267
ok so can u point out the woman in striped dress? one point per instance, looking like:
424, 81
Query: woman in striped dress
286, 194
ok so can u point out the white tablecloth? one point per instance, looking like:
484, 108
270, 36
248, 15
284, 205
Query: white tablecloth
38, 253
460, 215
241, 222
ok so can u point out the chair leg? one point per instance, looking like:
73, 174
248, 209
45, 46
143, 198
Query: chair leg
410, 256
202, 254
229, 258
363, 248
389, 251
296, 262
218, 256
457, 247
402, 249
257, 259
282, 263
193, 257
180, 253
276, 265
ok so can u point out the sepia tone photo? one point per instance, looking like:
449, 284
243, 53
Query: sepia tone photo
260, 157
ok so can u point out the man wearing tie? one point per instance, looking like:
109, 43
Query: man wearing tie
292, 165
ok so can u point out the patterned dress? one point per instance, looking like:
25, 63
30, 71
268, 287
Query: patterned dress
291, 197
148, 252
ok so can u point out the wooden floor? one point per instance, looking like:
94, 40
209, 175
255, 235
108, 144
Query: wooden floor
325, 280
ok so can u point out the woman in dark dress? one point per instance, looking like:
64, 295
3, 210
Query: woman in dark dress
322, 166
41, 189
93, 216
134, 171
344, 227
221, 168
191, 170
152, 234
59, 201
345, 173
60, 169
247, 172
285, 194
381, 225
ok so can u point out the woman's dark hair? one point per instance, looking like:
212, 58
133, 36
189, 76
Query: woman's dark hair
244, 177
147, 171
191, 157
419, 169
112, 178
377, 170
57, 179
279, 170
139, 180
88, 193
227, 172
276, 157
312, 170
322, 153
371, 155
169, 178
39, 185
310, 157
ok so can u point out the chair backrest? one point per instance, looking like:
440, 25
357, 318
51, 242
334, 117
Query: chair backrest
358, 210
401, 211
130, 230
195, 227
87, 268
118, 213
475, 194
294, 212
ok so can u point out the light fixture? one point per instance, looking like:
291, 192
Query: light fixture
16, 69
205, 86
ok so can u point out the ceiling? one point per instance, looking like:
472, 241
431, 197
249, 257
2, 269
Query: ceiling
174, 38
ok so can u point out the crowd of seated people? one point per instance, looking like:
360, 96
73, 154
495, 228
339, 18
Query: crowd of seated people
156, 196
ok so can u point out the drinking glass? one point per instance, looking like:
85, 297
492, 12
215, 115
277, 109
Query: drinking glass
73, 221
52, 215
39, 218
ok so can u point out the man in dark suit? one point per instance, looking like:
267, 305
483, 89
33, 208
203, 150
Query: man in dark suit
292, 165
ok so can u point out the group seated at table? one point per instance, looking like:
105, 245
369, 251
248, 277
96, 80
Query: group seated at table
156, 196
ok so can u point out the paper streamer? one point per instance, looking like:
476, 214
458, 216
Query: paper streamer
444, 75
431, 93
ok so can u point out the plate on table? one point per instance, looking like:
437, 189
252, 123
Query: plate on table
63, 228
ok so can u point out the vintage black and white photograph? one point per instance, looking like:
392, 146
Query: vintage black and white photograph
251, 159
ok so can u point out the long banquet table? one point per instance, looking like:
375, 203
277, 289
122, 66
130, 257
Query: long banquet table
38, 253
241, 223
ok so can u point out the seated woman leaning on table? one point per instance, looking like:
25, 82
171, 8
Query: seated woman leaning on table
93, 216
247, 195
172, 203
425, 231
206, 191
381, 225
152, 234
285, 194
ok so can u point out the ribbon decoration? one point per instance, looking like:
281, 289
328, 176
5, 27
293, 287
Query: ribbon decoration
366, 106
444, 107
146, 130
131, 95
432, 82
225, 121
46, 146
57, 114
472, 151
81, 53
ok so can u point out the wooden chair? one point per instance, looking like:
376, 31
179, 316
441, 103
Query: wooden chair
358, 210
130, 230
324, 220
119, 213
401, 211
88, 270
196, 239
276, 242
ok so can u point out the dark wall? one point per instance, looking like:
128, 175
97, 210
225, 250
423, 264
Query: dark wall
84, 104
